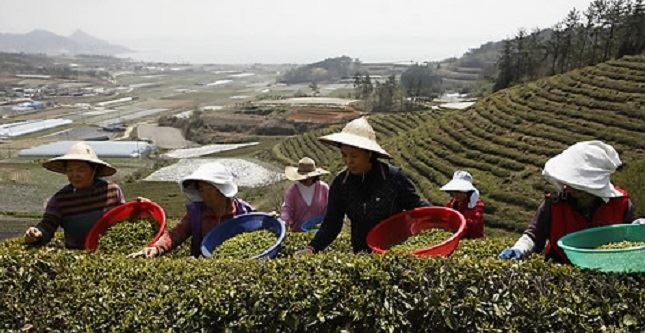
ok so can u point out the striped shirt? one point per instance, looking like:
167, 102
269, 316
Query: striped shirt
77, 210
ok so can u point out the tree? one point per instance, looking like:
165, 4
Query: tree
505, 67
363, 85
420, 80
385, 94
314, 88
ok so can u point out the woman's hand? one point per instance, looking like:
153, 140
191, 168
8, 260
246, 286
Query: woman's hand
305, 251
33, 235
147, 252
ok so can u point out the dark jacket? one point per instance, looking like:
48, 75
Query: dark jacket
366, 199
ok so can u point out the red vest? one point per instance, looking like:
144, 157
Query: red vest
565, 220
474, 217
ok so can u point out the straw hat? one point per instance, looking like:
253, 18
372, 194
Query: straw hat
79, 151
357, 133
306, 169
213, 173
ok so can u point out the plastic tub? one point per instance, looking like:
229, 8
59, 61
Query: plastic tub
128, 210
399, 227
312, 224
245, 223
580, 247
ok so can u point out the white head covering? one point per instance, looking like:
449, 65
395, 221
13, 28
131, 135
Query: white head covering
462, 181
357, 133
213, 173
80, 151
585, 166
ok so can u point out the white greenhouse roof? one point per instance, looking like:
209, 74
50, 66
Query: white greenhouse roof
102, 148
30, 126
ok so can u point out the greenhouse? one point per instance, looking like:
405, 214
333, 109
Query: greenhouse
26, 127
102, 148
246, 173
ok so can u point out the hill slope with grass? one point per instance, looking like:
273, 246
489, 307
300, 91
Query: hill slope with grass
505, 139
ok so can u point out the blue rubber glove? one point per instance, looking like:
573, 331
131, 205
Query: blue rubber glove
510, 253
639, 221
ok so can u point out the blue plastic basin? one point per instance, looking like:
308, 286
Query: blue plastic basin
312, 223
241, 224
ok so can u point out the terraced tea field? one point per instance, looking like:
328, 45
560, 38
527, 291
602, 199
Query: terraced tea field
505, 138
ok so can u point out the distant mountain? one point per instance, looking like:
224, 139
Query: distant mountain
42, 41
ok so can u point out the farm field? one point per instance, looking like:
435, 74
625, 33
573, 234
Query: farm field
505, 138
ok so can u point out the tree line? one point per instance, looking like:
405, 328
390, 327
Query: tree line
329, 69
607, 29
416, 82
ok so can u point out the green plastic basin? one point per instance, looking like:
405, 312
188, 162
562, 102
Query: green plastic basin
579, 248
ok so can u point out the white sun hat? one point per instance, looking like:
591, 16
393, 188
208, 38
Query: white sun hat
213, 173
585, 166
79, 151
357, 133
462, 181
306, 169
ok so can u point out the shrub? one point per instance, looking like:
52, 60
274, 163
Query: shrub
53, 289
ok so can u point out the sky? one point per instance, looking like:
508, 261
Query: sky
288, 31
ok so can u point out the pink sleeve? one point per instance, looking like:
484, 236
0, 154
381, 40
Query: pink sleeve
289, 204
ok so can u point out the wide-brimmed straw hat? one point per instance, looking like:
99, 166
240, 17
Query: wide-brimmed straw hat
79, 151
357, 133
586, 166
213, 173
306, 169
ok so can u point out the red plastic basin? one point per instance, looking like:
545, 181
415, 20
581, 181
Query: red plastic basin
132, 209
399, 227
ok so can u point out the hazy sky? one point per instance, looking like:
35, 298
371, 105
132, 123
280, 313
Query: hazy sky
273, 31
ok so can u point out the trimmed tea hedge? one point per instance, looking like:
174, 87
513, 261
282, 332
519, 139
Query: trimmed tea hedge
52, 289
505, 138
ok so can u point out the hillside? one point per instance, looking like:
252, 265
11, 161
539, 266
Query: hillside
330, 69
473, 71
505, 138
42, 41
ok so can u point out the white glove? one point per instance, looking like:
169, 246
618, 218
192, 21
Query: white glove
304, 251
147, 252
639, 221
33, 235
525, 244
522, 248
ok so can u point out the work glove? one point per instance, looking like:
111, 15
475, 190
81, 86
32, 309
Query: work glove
304, 251
510, 253
639, 221
33, 235
522, 248
274, 214
147, 252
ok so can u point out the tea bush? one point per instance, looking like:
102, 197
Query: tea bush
509, 135
53, 289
